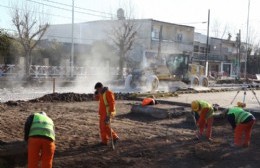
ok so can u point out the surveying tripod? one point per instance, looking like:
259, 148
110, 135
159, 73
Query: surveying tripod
245, 88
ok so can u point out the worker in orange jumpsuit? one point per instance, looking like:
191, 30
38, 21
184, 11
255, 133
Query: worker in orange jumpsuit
106, 112
40, 135
242, 122
204, 117
149, 101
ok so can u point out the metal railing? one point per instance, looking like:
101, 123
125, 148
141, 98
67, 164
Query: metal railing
40, 71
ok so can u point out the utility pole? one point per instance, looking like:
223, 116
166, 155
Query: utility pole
238, 41
160, 43
72, 43
247, 29
207, 47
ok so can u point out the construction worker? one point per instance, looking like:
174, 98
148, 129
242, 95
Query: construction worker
242, 122
40, 135
149, 101
203, 112
106, 112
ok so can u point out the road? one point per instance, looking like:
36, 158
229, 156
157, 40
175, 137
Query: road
224, 99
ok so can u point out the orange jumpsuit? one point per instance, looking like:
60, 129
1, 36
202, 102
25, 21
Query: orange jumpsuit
148, 101
203, 122
45, 147
104, 128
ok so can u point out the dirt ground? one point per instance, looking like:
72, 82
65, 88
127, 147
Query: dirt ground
144, 142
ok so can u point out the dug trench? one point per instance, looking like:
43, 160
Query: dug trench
144, 141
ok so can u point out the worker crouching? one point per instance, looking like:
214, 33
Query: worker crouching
149, 101
242, 122
106, 112
40, 134
203, 112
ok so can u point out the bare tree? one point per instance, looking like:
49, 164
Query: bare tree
123, 35
30, 32
219, 30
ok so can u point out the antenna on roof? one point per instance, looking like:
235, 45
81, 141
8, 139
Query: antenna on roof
120, 14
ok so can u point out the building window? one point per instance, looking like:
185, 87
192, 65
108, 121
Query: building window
155, 33
196, 48
179, 37
202, 50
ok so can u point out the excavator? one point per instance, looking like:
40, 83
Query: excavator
173, 67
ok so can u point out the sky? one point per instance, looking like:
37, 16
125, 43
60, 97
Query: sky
231, 14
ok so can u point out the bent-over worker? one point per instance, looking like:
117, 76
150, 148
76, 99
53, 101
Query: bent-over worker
204, 117
242, 122
149, 101
40, 134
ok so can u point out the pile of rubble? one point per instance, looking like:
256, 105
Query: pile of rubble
75, 97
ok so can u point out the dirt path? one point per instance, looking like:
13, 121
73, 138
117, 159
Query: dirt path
144, 142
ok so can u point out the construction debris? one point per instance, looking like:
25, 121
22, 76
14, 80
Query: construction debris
75, 97
159, 111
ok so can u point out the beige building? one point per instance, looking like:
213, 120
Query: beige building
153, 37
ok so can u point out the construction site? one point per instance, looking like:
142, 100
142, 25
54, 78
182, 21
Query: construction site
162, 135
151, 84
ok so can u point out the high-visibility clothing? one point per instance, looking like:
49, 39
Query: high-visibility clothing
208, 124
106, 108
205, 113
42, 126
243, 129
110, 100
108, 112
40, 150
148, 101
105, 133
240, 114
205, 105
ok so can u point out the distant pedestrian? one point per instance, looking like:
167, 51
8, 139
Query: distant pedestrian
242, 122
39, 132
106, 112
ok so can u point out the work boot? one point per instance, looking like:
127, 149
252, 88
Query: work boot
115, 141
210, 139
234, 146
245, 145
101, 144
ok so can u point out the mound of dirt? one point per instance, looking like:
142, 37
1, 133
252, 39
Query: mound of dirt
75, 97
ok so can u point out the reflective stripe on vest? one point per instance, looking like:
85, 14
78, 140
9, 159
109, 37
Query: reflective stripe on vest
107, 105
240, 114
42, 126
204, 104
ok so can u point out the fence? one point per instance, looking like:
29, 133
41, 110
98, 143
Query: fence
39, 71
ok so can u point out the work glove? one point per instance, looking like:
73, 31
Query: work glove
107, 120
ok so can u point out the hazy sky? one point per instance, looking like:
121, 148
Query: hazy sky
232, 13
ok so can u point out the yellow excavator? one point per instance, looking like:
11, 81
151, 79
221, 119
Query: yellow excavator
174, 67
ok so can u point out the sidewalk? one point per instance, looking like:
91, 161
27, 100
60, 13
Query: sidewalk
222, 98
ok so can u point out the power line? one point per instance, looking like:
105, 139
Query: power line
68, 9
50, 14
78, 7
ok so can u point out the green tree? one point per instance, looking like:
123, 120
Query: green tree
5, 43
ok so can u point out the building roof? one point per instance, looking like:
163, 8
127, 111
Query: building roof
150, 19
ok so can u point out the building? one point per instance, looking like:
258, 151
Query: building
223, 55
154, 38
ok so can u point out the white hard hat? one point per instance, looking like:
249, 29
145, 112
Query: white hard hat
42, 113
